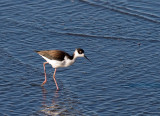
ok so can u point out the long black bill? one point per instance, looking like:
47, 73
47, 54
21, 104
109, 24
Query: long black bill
87, 58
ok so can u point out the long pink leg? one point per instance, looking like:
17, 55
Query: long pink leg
55, 79
44, 73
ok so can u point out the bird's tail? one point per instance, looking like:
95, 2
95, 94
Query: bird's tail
36, 51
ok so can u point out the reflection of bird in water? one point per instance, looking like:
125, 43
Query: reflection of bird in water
59, 59
52, 109
57, 104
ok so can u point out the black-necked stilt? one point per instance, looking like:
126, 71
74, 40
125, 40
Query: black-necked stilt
59, 59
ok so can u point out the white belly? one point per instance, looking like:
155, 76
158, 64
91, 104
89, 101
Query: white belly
57, 64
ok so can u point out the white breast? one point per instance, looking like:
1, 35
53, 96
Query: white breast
68, 62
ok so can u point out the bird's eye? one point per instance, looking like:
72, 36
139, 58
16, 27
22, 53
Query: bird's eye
80, 52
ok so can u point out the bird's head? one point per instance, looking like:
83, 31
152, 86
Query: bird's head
80, 53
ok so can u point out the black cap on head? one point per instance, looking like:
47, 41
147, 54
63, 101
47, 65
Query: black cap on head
80, 51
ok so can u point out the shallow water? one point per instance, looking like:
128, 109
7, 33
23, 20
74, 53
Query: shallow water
121, 38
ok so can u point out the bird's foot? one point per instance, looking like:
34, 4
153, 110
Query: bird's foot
43, 83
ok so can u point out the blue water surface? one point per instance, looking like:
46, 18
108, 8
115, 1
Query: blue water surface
121, 38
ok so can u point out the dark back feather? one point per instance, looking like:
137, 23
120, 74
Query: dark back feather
54, 54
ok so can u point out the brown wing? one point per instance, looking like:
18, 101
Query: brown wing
53, 54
